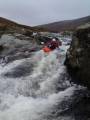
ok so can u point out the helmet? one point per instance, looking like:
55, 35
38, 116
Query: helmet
53, 39
42, 43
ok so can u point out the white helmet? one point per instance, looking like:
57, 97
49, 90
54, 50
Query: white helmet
42, 43
53, 39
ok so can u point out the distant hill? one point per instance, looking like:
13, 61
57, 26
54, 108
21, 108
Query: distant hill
9, 23
68, 25
4, 21
8, 26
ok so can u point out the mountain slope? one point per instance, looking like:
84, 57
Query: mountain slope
69, 25
10, 26
65, 25
4, 21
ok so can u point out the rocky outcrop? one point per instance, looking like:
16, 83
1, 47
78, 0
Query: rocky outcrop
78, 55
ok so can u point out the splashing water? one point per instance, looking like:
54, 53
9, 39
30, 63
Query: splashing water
36, 95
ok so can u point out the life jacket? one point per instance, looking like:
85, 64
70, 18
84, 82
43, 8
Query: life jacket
53, 45
46, 49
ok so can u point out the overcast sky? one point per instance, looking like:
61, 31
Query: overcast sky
35, 12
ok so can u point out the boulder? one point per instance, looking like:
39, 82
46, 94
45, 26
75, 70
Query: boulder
78, 55
1, 48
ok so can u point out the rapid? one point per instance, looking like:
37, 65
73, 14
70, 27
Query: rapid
38, 88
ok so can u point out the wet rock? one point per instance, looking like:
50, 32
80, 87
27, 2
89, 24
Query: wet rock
78, 55
42, 38
28, 33
19, 71
11, 44
1, 48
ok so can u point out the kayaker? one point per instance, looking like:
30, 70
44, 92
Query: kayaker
51, 45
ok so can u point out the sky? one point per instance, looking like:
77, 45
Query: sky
37, 12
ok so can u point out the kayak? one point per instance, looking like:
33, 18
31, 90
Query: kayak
46, 49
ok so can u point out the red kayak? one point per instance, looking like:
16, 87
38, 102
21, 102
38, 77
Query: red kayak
51, 45
46, 49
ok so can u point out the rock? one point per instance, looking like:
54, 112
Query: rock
43, 39
28, 33
13, 44
1, 48
78, 55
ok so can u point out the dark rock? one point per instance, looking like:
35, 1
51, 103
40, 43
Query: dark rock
78, 55
43, 39
1, 48
28, 33
19, 71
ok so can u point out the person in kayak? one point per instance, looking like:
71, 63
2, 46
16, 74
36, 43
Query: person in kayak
52, 45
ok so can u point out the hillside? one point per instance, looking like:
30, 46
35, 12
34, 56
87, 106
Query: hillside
69, 25
66, 25
6, 22
8, 26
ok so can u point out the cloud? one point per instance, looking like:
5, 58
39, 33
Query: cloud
34, 12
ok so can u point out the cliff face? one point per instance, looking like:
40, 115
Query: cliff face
78, 55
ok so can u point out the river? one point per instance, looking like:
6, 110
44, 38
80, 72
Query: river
38, 87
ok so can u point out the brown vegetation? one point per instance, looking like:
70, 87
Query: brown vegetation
66, 25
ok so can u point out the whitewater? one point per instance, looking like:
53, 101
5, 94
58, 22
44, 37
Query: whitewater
37, 88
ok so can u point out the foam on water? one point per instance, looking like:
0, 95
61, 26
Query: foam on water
34, 109
35, 96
